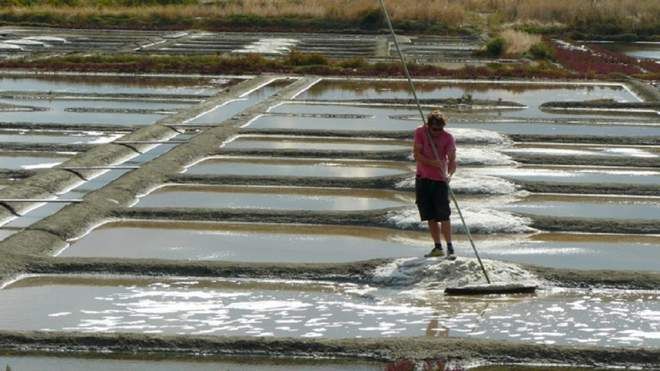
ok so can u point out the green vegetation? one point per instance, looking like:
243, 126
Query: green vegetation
495, 47
541, 50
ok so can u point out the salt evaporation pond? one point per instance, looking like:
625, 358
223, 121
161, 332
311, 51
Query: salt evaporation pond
591, 207
531, 95
571, 250
30, 160
245, 242
228, 109
603, 129
328, 310
57, 137
577, 150
114, 363
113, 85
299, 168
573, 175
328, 117
314, 143
282, 198
640, 49
63, 111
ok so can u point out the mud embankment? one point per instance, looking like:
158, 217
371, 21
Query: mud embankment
389, 349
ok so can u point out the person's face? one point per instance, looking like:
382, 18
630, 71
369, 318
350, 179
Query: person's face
436, 129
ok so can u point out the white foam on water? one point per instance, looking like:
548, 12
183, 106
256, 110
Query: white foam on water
551, 151
424, 275
12, 47
482, 156
632, 152
470, 183
478, 136
45, 165
53, 39
479, 220
269, 46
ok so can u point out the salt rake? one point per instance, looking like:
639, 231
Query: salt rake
476, 289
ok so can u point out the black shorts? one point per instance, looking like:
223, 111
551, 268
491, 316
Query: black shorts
432, 199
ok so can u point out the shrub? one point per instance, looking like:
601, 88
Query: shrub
542, 50
517, 43
296, 58
495, 47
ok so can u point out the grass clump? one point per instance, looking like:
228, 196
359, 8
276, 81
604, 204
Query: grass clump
495, 47
541, 51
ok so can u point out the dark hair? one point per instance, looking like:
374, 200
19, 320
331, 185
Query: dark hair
435, 118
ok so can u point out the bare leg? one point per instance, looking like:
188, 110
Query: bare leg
446, 230
435, 230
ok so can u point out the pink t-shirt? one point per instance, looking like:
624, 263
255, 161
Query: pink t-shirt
445, 145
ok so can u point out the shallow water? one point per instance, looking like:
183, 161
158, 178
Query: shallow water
555, 129
42, 363
245, 242
577, 175
225, 111
578, 150
616, 208
113, 85
276, 308
272, 198
312, 143
531, 95
641, 50
82, 137
56, 112
289, 167
29, 160
572, 251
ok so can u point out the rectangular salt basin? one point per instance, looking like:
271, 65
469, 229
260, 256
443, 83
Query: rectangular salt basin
531, 95
113, 85
290, 167
572, 251
328, 310
556, 129
193, 363
577, 150
567, 174
589, 207
55, 111
245, 242
57, 137
315, 143
284, 198
230, 108
202, 307
639, 50
29, 160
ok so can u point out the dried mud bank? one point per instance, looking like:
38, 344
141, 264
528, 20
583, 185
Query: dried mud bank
585, 139
360, 272
453, 349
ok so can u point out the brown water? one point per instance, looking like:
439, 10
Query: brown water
288, 198
246, 242
291, 167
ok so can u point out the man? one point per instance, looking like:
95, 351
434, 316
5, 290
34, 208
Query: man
433, 175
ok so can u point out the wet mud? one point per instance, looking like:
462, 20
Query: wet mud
362, 349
